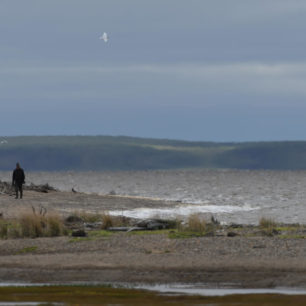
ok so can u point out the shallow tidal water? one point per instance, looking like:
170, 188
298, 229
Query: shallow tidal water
239, 196
148, 295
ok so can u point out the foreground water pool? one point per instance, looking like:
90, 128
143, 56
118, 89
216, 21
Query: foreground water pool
179, 294
199, 289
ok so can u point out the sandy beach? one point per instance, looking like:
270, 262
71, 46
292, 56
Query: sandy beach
248, 262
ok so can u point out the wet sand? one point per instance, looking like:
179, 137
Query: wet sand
248, 262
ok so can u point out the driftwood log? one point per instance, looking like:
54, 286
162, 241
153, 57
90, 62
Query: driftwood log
7, 188
45, 188
144, 225
126, 229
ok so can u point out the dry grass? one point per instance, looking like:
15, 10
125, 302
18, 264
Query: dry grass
268, 226
265, 223
107, 221
3, 228
196, 224
55, 226
33, 224
88, 217
105, 218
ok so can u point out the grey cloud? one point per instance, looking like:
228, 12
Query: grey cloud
159, 84
151, 31
206, 63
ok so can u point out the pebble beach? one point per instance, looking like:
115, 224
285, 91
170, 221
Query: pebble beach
154, 257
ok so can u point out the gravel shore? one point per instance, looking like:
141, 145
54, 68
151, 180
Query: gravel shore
255, 262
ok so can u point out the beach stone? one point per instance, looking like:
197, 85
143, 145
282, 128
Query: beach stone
232, 234
154, 224
235, 225
45, 188
73, 219
273, 232
78, 233
93, 225
259, 246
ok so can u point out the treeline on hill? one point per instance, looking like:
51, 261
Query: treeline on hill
53, 153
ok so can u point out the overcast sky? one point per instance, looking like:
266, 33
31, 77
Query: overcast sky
212, 70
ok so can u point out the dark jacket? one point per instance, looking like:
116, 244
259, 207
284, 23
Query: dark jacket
18, 176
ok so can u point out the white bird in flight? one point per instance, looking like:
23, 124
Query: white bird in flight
104, 37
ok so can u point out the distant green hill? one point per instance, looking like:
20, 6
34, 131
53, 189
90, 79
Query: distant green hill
128, 153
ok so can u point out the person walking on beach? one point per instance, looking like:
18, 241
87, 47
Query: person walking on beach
18, 180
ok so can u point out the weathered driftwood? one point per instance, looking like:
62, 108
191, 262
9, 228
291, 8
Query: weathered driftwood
126, 229
73, 219
155, 224
92, 225
7, 188
78, 233
45, 188
144, 225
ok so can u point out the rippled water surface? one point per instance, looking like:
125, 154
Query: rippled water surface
233, 195
160, 295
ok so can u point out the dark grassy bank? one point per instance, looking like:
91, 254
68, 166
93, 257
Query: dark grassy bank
99, 295
53, 153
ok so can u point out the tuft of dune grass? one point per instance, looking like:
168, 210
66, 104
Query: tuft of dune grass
103, 217
196, 224
32, 225
268, 226
107, 220
266, 223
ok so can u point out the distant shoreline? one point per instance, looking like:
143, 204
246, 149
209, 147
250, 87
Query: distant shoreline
86, 153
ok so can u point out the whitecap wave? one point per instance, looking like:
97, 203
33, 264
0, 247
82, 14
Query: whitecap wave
180, 210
